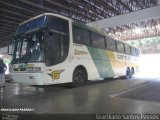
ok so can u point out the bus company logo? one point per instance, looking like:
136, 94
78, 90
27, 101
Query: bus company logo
56, 74
123, 57
77, 52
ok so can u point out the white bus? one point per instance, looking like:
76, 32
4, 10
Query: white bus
53, 49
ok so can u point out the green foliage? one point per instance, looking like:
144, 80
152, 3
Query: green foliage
147, 45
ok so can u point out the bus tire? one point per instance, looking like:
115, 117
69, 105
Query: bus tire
79, 77
132, 71
128, 73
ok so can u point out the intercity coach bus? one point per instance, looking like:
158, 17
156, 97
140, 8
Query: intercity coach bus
53, 49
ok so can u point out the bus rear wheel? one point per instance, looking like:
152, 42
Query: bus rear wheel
132, 70
128, 73
79, 78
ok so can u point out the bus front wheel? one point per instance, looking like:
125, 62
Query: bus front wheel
79, 78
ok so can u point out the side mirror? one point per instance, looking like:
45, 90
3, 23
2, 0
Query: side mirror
10, 48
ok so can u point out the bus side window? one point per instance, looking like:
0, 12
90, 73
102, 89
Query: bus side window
86, 37
101, 42
127, 49
57, 48
64, 46
133, 51
111, 44
137, 52
95, 40
53, 45
120, 47
106, 43
77, 34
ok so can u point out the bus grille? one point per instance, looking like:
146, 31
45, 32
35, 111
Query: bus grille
19, 69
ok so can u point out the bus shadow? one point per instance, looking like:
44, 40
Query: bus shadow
88, 83
64, 86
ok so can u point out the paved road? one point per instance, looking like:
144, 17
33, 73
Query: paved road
96, 97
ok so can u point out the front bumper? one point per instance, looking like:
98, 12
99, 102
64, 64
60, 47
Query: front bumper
29, 78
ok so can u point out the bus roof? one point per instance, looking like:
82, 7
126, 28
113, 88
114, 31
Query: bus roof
77, 24
51, 14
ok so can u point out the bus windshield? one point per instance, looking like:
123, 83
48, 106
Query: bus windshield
31, 36
29, 48
32, 25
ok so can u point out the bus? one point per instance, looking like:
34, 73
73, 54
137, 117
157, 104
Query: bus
53, 49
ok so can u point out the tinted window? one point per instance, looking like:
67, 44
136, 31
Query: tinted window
95, 40
77, 34
57, 43
57, 24
120, 47
137, 52
133, 51
111, 44
57, 48
31, 25
86, 37
127, 49
101, 42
